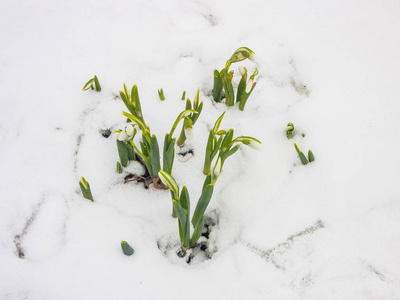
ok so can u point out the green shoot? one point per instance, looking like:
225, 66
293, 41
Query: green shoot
190, 120
85, 188
302, 157
311, 157
289, 130
223, 80
126, 248
132, 103
183, 95
119, 167
92, 84
225, 144
161, 94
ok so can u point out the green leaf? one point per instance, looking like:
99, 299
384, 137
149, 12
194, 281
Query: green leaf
311, 157
88, 85
130, 151
207, 181
97, 84
188, 104
123, 153
198, 230
183, 95
303, 158
218, 122
161, 94
228, 87
226, 143
85, 188
119, 168
196, 116
184, 199
126, 248
229, 153
169, 182
289, 130
297, 148
183, 114
202, 204
136, 120
217, 89
169, 154
154, 157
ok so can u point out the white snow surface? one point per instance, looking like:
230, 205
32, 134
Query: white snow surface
327, 230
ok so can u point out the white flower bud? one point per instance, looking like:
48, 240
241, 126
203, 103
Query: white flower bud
249, 85
242, 70
189, 132
217, 168
254, 59
255, 145
129, 130
122, 136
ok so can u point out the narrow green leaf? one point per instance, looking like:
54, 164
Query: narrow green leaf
207, 181
183, 95
228, 87
169, 182
184, 199
297, 148
198, 230
311, 157
88, 85
303, 158
154, 157
218, 122
196, 116
136, 120
126, 248
229, 152
217, 89
202, 204
85, 188
161, 94
226, 143
180, 211
123, 153
119, 168
169, 153
97, 84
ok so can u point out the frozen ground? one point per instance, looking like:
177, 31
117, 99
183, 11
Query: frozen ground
329, 230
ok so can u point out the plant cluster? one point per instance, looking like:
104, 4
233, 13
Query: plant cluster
225, 147
149, 152
221, 144
223, 80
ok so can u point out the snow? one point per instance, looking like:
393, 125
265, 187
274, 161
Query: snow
327, 230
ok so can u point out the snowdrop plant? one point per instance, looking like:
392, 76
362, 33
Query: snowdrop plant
181, 207
190, 120
302, 157
225, 145
245, 87
92, 84
85, 188
125, 150
149, 149
132, 102
289, 130
223, 80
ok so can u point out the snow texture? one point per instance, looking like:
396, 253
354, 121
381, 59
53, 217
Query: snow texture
281, 230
